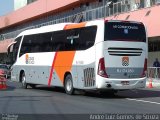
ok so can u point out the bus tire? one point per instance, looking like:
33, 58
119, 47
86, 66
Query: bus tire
68, 85
33, 86
23, 81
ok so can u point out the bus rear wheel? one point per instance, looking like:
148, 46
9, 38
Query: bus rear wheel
32, 86
68, 85
23, 81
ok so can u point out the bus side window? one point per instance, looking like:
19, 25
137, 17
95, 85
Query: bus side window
35, 48
87, 37
71, 39
45, 42
37, 43
59, 40
89, 44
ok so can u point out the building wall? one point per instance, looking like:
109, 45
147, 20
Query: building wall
37, 8
32, 15
19, 4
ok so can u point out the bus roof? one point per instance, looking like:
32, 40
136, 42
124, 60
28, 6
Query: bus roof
61, 26
44, 29
55, 27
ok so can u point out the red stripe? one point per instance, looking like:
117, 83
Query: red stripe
52, 69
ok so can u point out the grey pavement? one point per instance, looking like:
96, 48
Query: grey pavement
53, 101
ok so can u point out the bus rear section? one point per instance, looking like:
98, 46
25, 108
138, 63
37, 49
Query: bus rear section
123, 61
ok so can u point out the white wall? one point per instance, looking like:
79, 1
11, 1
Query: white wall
147, 3
19, 3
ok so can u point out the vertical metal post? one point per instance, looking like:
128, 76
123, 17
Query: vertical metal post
107, 7
156, 73
104, 4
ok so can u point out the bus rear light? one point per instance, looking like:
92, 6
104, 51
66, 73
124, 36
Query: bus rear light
106, 20
144, 73
101, 68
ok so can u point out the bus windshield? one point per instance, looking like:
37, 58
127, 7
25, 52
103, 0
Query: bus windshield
125, 31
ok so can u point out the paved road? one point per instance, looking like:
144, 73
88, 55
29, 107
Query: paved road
16, 100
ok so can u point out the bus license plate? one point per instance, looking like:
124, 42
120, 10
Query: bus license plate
125, 82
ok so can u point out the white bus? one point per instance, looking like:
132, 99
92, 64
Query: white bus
94, 55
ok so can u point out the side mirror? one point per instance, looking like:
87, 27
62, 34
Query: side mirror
10, 47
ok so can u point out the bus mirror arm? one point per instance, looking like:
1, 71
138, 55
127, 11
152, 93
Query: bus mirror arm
9, 47
8, 51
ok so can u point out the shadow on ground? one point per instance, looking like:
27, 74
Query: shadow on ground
139, 93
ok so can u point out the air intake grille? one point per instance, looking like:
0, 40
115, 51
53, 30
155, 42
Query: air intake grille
124, 51
89, 77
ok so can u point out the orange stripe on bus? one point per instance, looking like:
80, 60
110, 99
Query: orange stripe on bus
72, 26
63, 63
63, 60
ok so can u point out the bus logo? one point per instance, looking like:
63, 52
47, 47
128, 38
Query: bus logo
125, 61
29, 60
126, 31
27, 56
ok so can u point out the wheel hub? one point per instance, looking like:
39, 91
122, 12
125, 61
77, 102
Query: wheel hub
69, 85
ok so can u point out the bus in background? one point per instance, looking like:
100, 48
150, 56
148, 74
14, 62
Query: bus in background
93, 55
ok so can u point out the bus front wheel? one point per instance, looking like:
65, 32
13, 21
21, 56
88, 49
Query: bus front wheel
23, 81
68, 85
